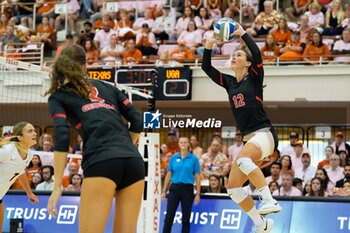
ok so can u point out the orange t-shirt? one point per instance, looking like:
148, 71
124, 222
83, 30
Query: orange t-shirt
46, 7
99, 24
187, 54
127, 22
31, 171
282, 37
165, 164
13, 56
270, 55
65, 181
173, 149
136, 55
323, 163
288, 56
316, 51
49, 30
59, 49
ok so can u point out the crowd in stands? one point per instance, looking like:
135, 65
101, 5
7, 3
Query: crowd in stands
293, 34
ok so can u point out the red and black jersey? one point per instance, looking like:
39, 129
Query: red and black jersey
98, 120
246, 96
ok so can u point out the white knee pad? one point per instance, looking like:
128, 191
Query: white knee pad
237, 194
246, 165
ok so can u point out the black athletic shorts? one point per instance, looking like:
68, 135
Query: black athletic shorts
123, 171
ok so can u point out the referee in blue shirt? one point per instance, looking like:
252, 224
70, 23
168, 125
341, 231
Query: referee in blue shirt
183, 170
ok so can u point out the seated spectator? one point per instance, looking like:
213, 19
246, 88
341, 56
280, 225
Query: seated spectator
46, 35
92, 53
105, 17
215, 185
47, 159
273, 186
275, 170
113, 51
146, 41
10, 36
316, 50
102, 37
232, 9
265, 20
123, 21
147, 19
195, 5
296, 157
340, 183
299, 7
23, 30
36, 179
298, 184
72, 169
164, 156
307, 188
163, 172
214, 162
86, 33
165, 24
47, 185
342, 47
182, 23
339, 143
214, 9
286, 163
270, 51
327, 184
132, 55
192, 36
76, 149
165, 61
343, 155
42, 138
334, 19
4, 22
46, 8
287, 188
304, 29
292, 51
206, 36
325, 163
223, 148
172, 144
34, 166
73, 14
182, 51
282, 34
307, 172
68, 41
203, 22
234, 150
316, 17
75, 183
195, 149
335, 172
20, 11
345, 191
289, 149
317, 189
250, 9
11, 51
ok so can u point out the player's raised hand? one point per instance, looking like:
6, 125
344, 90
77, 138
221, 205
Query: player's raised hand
52, 204
239, 30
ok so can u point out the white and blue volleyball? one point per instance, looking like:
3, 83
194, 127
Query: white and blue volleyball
224, 28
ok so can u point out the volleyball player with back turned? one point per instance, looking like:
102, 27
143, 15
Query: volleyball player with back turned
245, 92
112, 165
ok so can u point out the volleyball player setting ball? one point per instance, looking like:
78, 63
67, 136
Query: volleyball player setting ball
113, 167
245, 92
15, 155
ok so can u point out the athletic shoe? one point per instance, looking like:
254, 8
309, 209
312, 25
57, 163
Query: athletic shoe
269, 207
265, 227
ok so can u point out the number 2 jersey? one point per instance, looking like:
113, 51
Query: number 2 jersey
11, 166
246, 96
98, 120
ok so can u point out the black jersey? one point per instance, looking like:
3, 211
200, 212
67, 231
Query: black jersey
98, 120
246, 96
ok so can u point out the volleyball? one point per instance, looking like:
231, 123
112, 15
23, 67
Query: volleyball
224, 28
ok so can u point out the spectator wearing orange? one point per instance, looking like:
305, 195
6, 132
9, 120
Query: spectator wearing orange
334, 19
4, 21
292, 51
325, 163
282, 34
72, 169
123, 22
298, 7
34, 166
132, 55
164, 156
105, 17
173, 145
182, 52
73, 7
92, 53
270, 51
67, 41
46, 8
316, 49
146, 41
11, 51
46, 35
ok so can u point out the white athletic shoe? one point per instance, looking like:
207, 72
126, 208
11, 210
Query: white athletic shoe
265, 227
269, 207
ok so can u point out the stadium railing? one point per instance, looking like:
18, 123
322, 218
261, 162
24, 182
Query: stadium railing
27, 52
